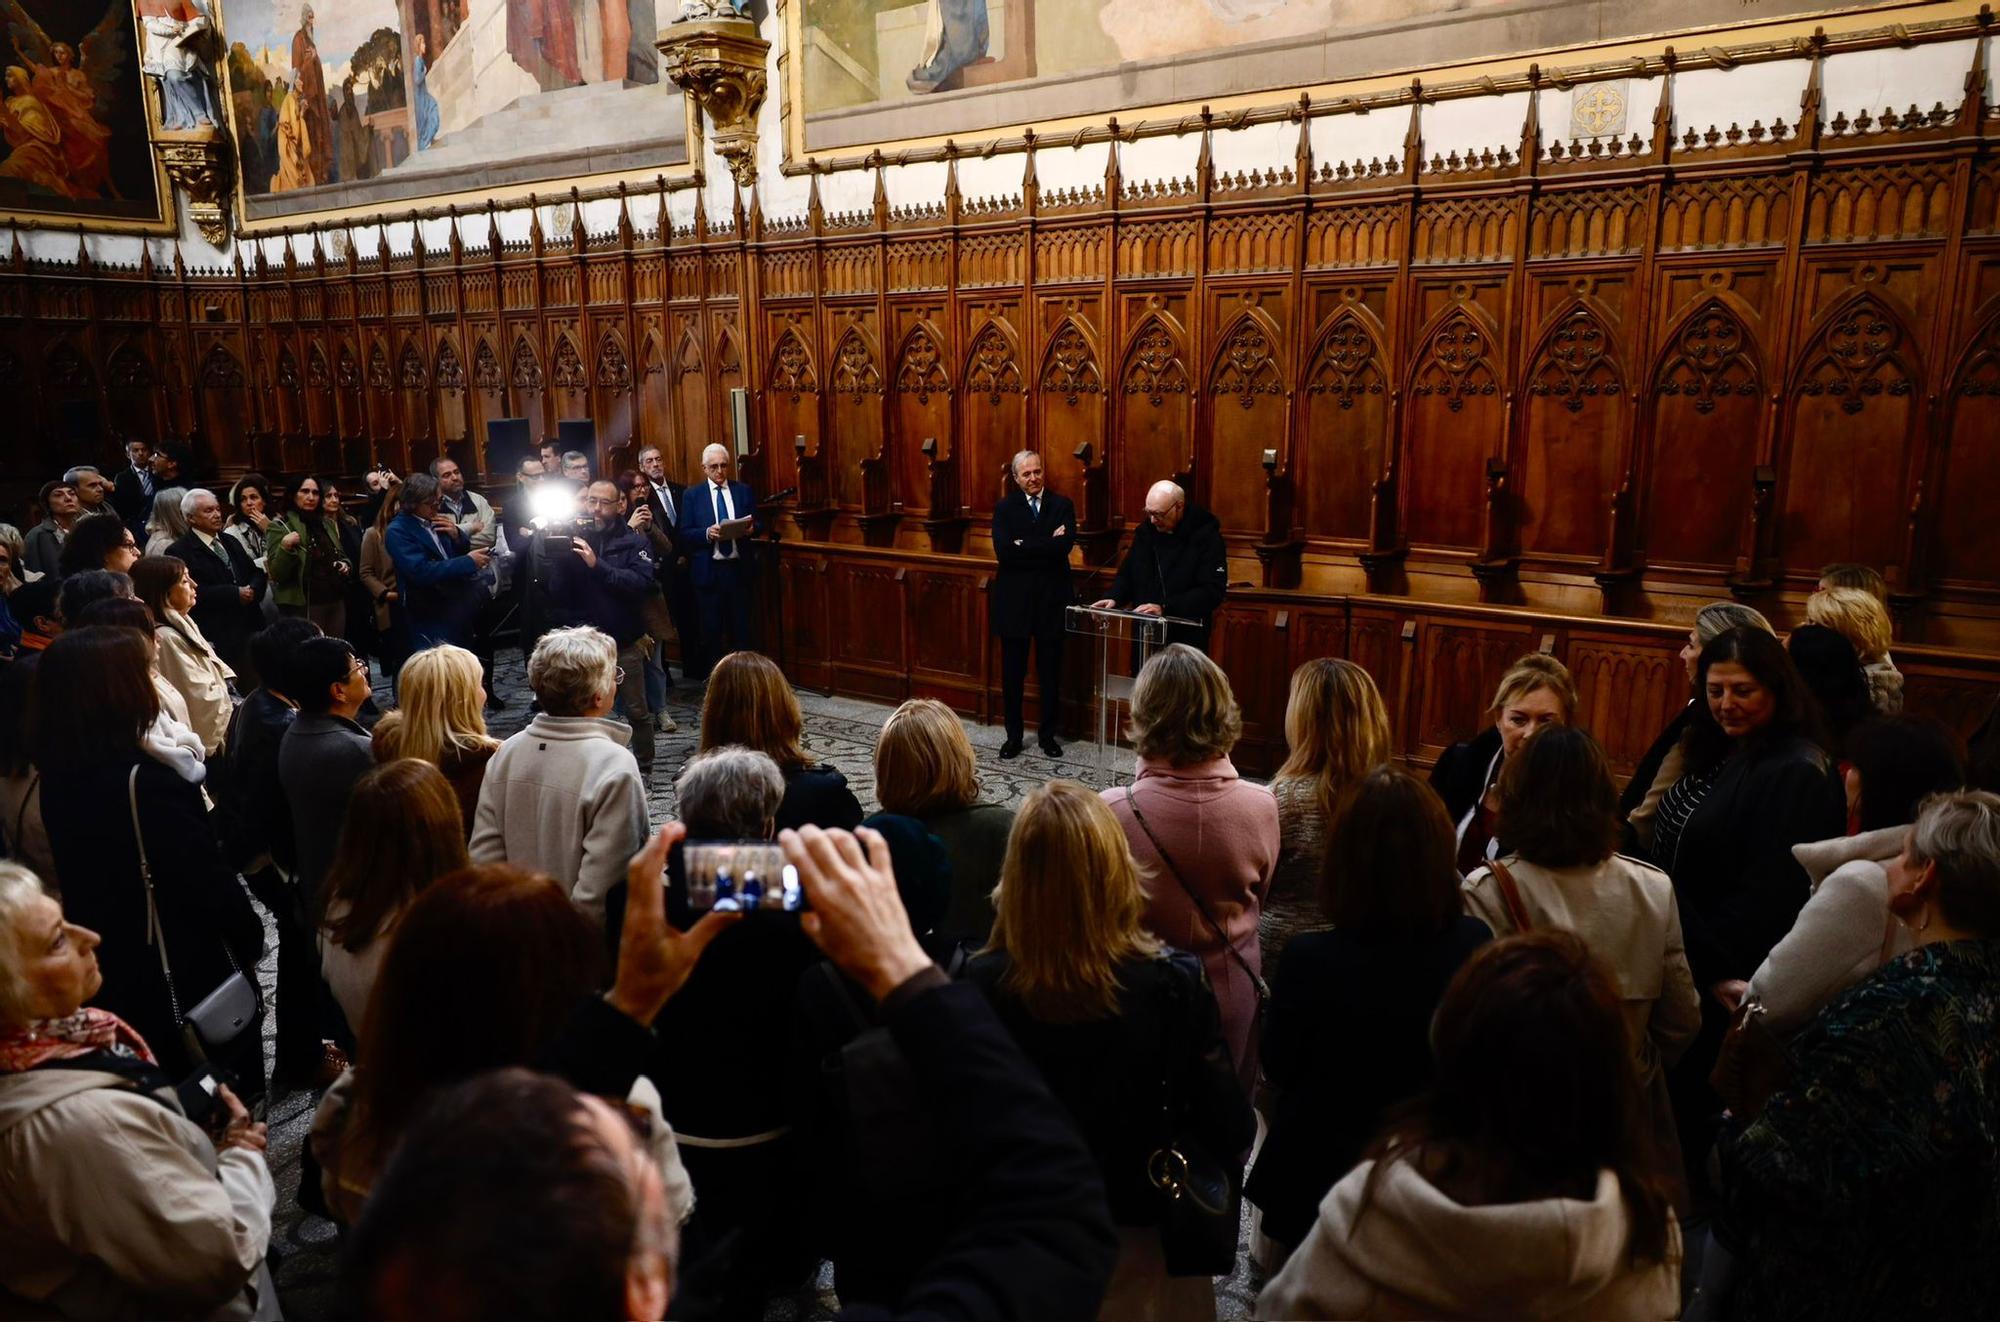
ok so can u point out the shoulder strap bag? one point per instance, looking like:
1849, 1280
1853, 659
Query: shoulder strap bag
1257, 983
1199, 1194
1510, 896
217, 1023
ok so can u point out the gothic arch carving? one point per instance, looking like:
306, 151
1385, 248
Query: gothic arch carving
854, 372
450, 371
1861, 350
350, 370
919, 369
288, 368
1576, 360
1154, 368
1346, 363
1456, 361
129, 369
792, 372
1978, 369
526, 371
614, 369
67, 368
378, 368
220, 370
992, 366
568, 373
1709, 356
486, 367
411, 373
687, 354
1069, 364
1246, 360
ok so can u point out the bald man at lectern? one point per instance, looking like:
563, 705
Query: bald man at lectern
1177, 566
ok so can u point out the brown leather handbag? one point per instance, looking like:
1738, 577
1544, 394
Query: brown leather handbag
1752, 1064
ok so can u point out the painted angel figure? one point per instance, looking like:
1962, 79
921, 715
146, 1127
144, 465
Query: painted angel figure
176, 32
79, 86
699, 9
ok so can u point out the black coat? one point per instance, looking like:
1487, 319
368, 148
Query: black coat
1185, 572
262, 822
201, 903
131, 501
1113, 1074
818, 796
1460, 774
225, 619
1032, 589
1740, 889
609, 595
1645, 773
1346, 1039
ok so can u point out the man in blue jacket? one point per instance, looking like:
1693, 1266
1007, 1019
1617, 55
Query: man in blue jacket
602, 578
721, 567
436, 570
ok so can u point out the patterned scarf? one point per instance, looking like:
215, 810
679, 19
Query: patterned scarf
88, 1030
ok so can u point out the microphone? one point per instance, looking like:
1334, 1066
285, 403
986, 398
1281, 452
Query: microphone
777, 496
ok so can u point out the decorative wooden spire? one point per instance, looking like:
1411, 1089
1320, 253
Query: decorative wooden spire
1531, 127
1413, 137
1972, 110
1302, 155
1810, 100
1031, 183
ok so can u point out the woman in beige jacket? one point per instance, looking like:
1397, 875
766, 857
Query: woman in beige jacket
1559, 826
186, 660
115, 1204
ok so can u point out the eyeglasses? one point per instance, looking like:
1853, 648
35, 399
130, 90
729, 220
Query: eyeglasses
128, 544
360, 667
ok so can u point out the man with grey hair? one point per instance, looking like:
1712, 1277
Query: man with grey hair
436, 570
576, 467
675, 581
228, 586
1177, 566
717, 519
92, 487
564, 795
1033, 531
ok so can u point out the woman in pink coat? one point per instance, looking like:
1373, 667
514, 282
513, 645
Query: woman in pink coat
1206, 838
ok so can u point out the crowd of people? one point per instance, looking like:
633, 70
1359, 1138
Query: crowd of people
1512, 1039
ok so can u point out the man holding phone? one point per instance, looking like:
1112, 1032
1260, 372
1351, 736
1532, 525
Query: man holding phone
603, 581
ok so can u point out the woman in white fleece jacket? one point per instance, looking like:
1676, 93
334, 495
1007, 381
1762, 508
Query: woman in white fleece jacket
1846, 931
1524, 1186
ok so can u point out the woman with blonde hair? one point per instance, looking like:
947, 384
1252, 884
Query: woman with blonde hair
924, 769
1536, 691
1207, 838
395, 840
750, 703
442, 721
1119, 1025
1861, 618
1338, 731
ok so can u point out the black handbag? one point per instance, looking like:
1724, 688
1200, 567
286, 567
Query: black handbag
1200, 1194
216, 1024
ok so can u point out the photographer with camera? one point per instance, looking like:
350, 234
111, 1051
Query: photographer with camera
600, 574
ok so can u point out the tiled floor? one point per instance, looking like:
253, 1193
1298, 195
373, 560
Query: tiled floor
838, 730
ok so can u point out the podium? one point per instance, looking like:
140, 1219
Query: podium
1124, 641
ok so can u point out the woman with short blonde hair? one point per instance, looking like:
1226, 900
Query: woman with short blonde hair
1535, 692
924, 768
749, 702
1109, 1016
1207, 838
442, 721
1862, 619
1338, 731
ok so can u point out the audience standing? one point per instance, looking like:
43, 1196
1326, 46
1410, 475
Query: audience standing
229, 587
1524, 1183
325, 751
924, 769
1337, 731
442, 721
564, 796
1859, 616
399, 836
98, 541
60, 510
1559, 809
1207, 838
1868, 1186
308, 567
1348, 1039
1124, 1030
167, 523
378, 579
749, 702
115, 1204
185, 658
1534, 693
1832, 674
437, 571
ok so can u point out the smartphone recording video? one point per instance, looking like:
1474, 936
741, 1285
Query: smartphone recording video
740, 876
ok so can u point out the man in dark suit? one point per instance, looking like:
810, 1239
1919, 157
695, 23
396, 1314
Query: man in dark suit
721, 568
1033, 531
227, 583
437, 570
676, 582
1177, 566
132, 489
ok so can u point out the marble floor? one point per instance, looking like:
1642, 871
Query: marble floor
840, 731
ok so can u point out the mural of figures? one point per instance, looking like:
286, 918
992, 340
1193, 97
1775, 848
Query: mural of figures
878, 71
73, 131
180, 38
343, 103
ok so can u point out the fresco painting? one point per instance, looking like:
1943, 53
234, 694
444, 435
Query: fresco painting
73, 129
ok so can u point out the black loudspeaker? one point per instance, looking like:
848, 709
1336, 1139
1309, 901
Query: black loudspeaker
578, 434
506, 447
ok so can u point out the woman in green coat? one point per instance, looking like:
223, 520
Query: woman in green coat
309, 569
